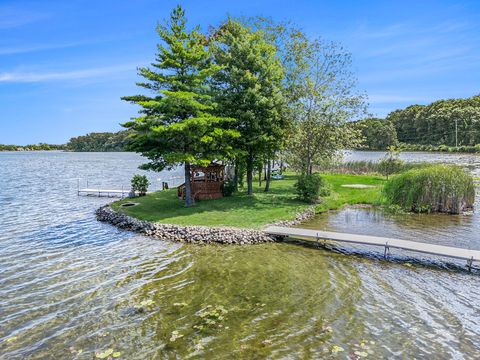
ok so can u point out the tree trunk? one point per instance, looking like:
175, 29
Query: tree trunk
260, 176
188, 186
268, 174
235, 175
309, 159
250, 174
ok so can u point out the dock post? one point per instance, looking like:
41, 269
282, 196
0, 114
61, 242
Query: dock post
469, 264
387, 250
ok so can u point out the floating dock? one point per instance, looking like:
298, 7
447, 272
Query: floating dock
470, 256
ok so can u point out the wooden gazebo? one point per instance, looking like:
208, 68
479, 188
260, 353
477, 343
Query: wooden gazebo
207, 182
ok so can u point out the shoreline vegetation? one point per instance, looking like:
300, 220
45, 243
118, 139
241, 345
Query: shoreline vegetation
33, 147
92, 142
404, 147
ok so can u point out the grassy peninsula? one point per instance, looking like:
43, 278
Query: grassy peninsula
247, 211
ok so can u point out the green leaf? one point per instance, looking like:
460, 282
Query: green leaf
105, 354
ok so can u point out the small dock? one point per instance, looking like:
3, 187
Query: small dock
470, 256
103, 192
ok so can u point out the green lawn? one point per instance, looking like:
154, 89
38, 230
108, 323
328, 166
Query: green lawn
341, 196
238, 210
254, 211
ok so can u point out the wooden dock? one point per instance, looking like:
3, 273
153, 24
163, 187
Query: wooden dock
387, 243
103, 192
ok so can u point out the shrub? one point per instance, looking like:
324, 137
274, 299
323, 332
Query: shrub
310, 187
391, 163
228, 188
436, 188
140, 184
389, 166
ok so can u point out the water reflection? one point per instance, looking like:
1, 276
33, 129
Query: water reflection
451, 230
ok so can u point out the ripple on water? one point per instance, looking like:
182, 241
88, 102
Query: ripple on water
69, 283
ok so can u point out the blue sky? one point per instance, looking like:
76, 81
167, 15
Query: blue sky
65, 64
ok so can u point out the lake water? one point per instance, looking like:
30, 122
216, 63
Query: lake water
470, 161
71, 286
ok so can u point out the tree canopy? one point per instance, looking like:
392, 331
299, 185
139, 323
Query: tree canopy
378, 134
248, 88
322, 99
445, 123
439, 122
176, 124
99, 142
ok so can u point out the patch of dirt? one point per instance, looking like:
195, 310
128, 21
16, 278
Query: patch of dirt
358, 186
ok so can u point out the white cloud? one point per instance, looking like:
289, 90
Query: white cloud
392, 98
367, 32
33, 76
39, 47
11, 17
388, 98
14, 49
364, 32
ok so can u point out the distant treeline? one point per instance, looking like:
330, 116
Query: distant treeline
439, 126
35, 147
99, 142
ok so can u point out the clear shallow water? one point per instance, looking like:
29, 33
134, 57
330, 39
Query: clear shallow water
69, 283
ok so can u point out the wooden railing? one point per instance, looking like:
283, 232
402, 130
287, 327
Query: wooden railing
203, 190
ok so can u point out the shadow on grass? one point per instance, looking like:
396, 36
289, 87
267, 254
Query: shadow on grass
239, 210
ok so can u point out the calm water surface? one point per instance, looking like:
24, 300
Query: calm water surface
71, 286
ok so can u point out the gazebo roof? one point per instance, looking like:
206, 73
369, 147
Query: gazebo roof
211, 165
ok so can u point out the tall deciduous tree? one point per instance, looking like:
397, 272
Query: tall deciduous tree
320, 92
176, 124
323, 98
249, 89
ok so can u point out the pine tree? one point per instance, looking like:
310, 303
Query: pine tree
176, 124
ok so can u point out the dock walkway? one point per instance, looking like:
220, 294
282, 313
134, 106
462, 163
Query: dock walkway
387, 243
103, 192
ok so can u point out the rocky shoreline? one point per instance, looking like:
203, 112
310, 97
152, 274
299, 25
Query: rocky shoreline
194, 234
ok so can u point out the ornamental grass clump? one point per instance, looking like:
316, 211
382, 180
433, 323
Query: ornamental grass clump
436, 188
